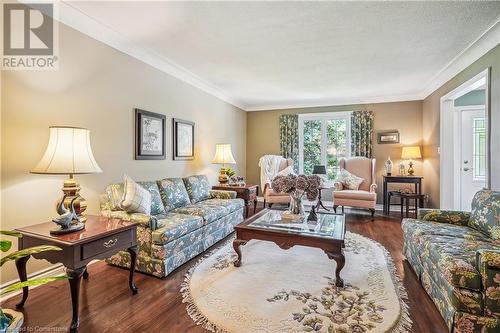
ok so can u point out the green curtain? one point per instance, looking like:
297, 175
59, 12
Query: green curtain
289, 138
362, 133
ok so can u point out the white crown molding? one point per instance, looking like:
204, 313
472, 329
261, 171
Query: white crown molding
488, 40
80, 21
336, 102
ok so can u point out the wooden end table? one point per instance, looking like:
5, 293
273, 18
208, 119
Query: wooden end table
327, 234
101, 238
246, 192
415, 180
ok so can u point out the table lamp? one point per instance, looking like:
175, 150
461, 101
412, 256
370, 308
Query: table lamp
223, 155
411, 153
319, 170
68, 153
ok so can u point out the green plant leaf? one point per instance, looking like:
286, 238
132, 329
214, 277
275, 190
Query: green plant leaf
5, 245
26, 252
11, 233
31, 283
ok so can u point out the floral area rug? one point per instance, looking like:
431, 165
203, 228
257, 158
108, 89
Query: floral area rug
294, 290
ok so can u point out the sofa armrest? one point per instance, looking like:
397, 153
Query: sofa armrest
373, 188
337, 186
488, 264
222, 194
144, 220
444, 216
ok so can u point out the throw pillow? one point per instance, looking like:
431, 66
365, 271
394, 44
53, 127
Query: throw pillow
485, 213
136, 199
286, 171
173, 193
156, 203
349, 180
198, 188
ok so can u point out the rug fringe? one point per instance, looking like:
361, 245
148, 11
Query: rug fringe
403, 326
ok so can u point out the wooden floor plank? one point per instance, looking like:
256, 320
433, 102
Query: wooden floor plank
107, 304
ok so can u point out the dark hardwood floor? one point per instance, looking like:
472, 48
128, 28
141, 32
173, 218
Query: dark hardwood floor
106, 304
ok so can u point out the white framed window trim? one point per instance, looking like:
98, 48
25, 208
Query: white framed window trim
323, 117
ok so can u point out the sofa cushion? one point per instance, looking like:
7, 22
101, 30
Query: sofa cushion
198, 188
355, 195
455, 257
114, 193
207, 212
156, 204
231, 204
136, 199
485, 214
173, 193
172, 226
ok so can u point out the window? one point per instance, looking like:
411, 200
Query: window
323, 139
479, 149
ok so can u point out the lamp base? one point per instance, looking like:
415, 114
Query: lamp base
411, 172
71, 189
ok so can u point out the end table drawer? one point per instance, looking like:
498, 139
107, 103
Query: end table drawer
105, 244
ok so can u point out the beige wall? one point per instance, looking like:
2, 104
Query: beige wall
98, 87
263, 133
431, 126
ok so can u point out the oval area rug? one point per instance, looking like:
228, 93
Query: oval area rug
294, 290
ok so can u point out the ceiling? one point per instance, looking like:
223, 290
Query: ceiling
268, 55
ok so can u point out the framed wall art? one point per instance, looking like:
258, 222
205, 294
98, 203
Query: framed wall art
388, 137
183, 139
149, 135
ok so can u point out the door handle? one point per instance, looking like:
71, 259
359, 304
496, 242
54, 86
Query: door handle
466, 169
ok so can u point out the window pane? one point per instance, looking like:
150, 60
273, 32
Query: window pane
337, 145
479, 149
312, 145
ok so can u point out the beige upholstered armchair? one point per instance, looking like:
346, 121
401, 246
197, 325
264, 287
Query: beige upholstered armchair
272, 197
365, 196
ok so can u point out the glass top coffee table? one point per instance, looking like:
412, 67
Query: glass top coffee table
327, 234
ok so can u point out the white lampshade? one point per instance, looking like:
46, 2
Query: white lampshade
68, 152
223, 154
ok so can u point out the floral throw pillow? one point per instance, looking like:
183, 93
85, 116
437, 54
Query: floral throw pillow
485, 213
198, 188
156, 204
173, 193
286, 171
349, 180
136, 199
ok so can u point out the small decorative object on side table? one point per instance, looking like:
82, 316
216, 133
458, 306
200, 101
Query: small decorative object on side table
247, 192
388, 166
223, 155
102, 238
69, 152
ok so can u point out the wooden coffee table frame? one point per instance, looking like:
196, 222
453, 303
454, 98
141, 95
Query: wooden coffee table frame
334, 248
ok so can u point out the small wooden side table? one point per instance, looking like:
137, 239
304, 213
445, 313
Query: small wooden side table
101, 238
405, 201
325, 186
246, 192
415, 180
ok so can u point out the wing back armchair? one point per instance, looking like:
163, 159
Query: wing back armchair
365, 196
272, 197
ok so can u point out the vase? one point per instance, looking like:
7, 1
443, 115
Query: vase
296, 205
388, 167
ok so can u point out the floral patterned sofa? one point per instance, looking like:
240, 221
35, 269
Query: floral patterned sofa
456, 255
187, 217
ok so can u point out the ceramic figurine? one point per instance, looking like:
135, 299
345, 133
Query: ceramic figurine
402, 171
388, 167
68, 220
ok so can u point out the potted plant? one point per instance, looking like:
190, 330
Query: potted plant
11, 321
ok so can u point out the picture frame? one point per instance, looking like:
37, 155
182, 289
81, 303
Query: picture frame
388, 137
183, 139
150, 135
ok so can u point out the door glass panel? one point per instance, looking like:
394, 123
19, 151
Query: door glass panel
312, 145
479, 149
337, 145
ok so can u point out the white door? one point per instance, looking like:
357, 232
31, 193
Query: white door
473, 155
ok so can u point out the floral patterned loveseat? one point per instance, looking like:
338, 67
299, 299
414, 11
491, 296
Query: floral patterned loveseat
456, 255
187, 217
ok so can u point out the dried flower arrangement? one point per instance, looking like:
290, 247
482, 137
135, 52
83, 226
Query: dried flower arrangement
297, 186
